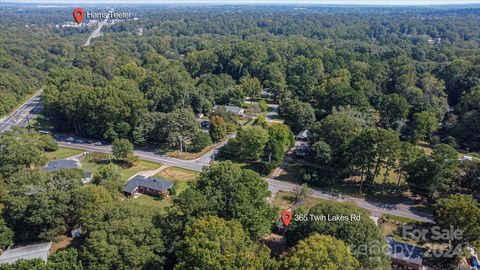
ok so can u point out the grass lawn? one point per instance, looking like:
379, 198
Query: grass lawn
63, 153
292, 173
181, 177
151, 201
285, 199
93, 161
391, 225
190, 156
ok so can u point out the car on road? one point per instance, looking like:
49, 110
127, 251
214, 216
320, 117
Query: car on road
98, 143
70, 139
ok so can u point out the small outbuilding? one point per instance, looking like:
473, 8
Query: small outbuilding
87, 177
37, 251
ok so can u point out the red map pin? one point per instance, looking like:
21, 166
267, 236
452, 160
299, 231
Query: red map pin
286, 217
78, 14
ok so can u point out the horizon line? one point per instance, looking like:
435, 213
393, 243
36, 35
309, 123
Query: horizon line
380, 3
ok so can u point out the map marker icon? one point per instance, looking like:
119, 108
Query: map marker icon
78, 14
286, 217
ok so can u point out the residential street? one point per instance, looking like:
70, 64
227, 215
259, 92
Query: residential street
375, 209
30, 108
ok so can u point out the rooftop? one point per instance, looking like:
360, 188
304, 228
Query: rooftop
404, 252
61, 164
37, 251
233, 109
147, 182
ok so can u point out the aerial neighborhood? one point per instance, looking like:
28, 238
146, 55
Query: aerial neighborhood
261, 136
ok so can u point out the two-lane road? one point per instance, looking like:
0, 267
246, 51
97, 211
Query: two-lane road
30, 108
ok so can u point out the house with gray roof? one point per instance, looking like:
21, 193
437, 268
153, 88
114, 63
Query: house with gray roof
37, 251
61, 164
232, 109
405, 255
147, 185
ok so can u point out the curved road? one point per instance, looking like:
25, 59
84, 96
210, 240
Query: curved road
30, 108
375, 209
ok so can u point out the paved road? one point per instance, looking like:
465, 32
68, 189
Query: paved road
375, 209
26, 112
29, 109
194, 165
96, 32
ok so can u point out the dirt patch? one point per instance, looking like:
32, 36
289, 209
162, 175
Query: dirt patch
178, 174
277, 244
67, 242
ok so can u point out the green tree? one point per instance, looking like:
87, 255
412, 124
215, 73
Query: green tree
393, 109
6, 235
213, 243
320, 153
252, 141
363, 235
122, 236
39, 205
20, 149
320, 252
251, 87
462, 213
122, 148
200, 141
218, 128
110, 177
64, 260
237, 194
430, 175
298, 115
424, 124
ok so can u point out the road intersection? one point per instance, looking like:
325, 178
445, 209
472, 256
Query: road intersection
29, 109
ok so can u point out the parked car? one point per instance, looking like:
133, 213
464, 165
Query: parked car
98, 143
205, 124
70, 139
79, 141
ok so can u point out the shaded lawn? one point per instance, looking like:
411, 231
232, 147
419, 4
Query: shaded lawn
92, 162
190, 156
150, 201
246, 165
62, 153
285, 199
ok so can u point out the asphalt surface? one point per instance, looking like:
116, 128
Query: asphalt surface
30, 108
96, 32
375, 209
26, 112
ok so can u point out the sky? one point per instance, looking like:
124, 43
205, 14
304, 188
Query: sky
329, 2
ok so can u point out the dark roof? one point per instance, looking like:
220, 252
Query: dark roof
147, 182
404, 252
61, 164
